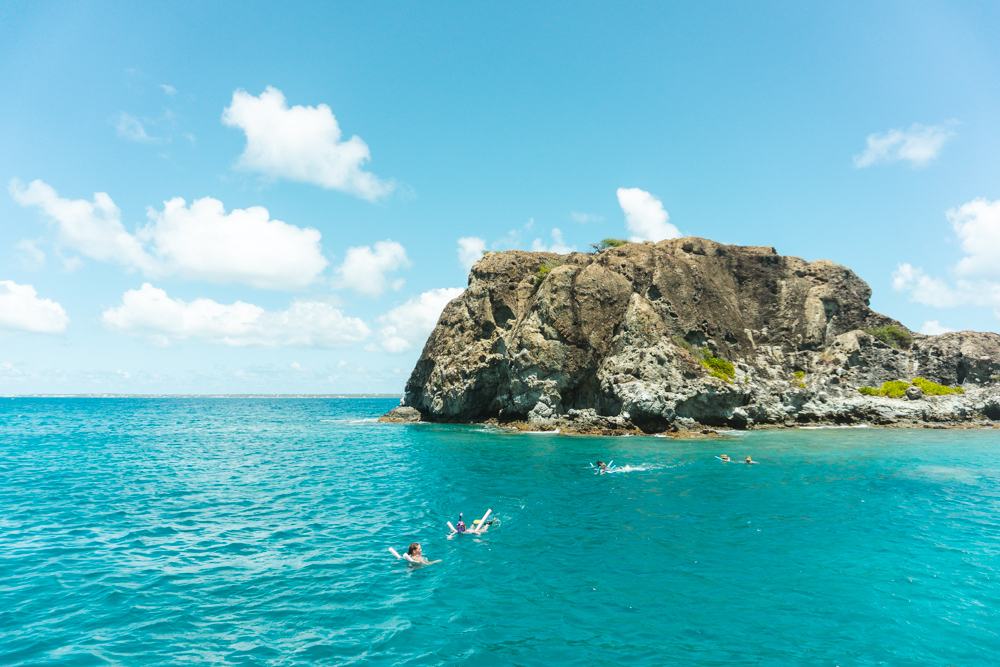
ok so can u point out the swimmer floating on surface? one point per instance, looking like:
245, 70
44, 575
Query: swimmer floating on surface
750, 461
479, 526
724, 458
413, 555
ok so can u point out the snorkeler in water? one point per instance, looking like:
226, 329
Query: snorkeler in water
602, 466
725, 458
460, 526
750, 461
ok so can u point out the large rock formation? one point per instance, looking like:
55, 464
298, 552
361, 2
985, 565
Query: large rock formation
619, 338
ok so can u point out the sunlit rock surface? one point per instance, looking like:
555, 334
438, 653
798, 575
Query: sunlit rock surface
616, 340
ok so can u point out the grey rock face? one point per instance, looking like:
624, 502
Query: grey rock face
620, 335
401, 414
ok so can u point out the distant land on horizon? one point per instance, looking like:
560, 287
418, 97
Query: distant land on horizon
400, 395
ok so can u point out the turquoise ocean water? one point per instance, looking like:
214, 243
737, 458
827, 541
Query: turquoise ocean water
255, 532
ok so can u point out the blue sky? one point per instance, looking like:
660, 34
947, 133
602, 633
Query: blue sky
863, 133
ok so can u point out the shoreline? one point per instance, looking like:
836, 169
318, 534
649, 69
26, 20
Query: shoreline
694, 432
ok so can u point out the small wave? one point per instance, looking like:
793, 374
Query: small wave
541, 432
366, 420
817, 428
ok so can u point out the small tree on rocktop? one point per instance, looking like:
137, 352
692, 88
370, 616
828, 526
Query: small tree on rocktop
608, 243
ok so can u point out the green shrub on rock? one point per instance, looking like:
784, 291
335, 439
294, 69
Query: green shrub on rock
544, 269
897, 388
719, 367
935, 389
890, 389
608, 243
892, 335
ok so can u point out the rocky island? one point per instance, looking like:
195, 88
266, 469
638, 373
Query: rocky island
685, 334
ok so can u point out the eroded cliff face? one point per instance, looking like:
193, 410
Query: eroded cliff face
616, 338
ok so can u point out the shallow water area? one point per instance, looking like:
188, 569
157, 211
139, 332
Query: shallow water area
256, 532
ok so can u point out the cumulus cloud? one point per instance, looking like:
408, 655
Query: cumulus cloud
203, 242
645, 216
933, 328
366, 270
918, 145
22, 311
200, 242
149, 312
406, 327
301, 144
558, 244
168, 89
93, 229
470, 250
977, 225
976, 277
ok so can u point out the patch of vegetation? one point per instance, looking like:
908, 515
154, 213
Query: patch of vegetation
544, 269
890, 389
604, 244
892, 335
799, 375
935, 389
487, 252
721, 376
897, 388
717, 366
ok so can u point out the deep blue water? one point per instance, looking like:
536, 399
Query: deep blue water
255, 531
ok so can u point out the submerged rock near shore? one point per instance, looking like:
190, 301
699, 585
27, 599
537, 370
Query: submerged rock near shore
682, 333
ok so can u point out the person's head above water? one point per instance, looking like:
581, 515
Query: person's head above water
725, 457
414, 549
749, 459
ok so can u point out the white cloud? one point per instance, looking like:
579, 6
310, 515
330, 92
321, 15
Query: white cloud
918, 145
934, 328
977, 225
168, 89
645, 216
406, 327
150, 313
365, 270
470, 250
585, 217
976, 276
301, 144
200, 242
558, 244
93, 229
131, 128
203, 242
22, 311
